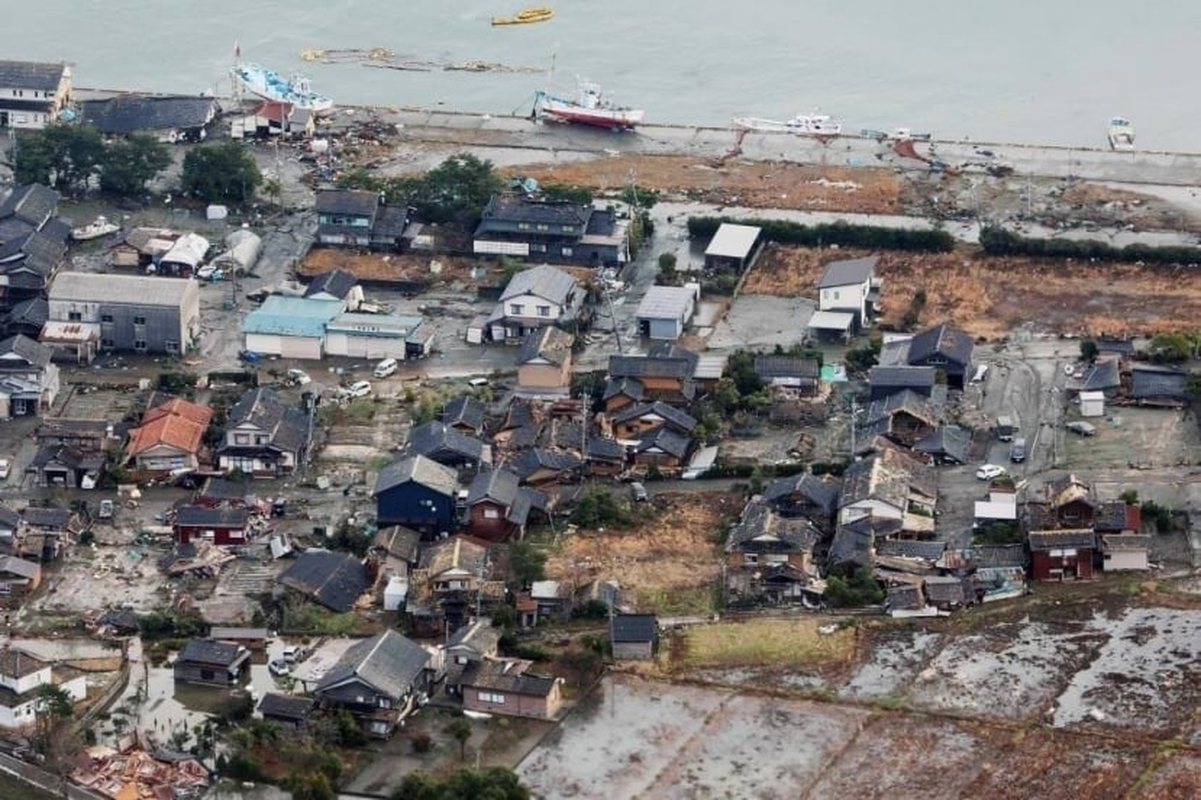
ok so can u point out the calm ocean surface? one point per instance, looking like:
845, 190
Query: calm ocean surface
1031, 71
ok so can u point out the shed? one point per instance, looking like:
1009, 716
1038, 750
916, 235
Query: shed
634, 636
395, 593
664, 311
1092, 404
1125, 551
184, 256
242, 250
732, 247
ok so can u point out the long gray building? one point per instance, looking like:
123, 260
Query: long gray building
90, 312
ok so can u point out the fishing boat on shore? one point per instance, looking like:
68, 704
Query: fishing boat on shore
1121, 134
526, 17
270, 85
589, 107
94, 230
801, 125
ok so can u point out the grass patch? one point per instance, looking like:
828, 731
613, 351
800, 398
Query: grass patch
765, 642
361, 411
680, 601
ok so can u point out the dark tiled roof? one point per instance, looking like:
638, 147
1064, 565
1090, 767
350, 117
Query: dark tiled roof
265, 409
648, 367
28, 349
286, 706
635, 628
1116, 515
478, 635
665, 439
464, 410
498, 485
434, 438
513, 207
8, 518
51, 518
225, 489
847, 272
399, 541
507, 677
998, 555
759, 522
902, 377
945, 590
822, 494
951, 343
549, 343
768, 367
420, 470
335, 283
193, 516
680, 420
1102, 375
129, 113
1053, 540
1147, 382
210, 651
16, 663
628, 387
389, 663
348, 202
949, 441
335, 580
906, 597
906, 400
599, 449
538, 458
1119, 346
909, 548
41, 77
32, 203
32, 312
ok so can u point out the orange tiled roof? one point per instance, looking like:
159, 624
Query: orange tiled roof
176, 423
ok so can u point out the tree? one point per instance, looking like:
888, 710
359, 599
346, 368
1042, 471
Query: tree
223, 172
460, 730
493, 783
457, 190
311, 786
667, 267
273, 189
1088, 349
526, 563
860, 589
129, 164
1169, 347
61, 155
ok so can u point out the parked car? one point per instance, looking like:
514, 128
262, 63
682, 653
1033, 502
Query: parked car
293, 653
386, 368
357, 389
249, 356
989, 471
279, 666
1082, 428
299, 377
1017, 453
638, 492
209, 273
5, 468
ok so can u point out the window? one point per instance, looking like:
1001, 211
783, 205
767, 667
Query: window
74, 316
567, 251
492, 697
544, 311
835, 294
108, 343
241, 438
750, 558
537, 248
139, 320
516, 308
542, 226
207, 674
491, 513
106, 317
139, 345
170, 346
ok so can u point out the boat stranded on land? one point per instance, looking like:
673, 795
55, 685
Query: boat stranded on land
590, 107
1121, 134
535, 14
270, 85
801, 125
94, 230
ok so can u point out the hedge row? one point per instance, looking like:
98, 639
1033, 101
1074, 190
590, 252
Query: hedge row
840, 233
1000, 242
769, 471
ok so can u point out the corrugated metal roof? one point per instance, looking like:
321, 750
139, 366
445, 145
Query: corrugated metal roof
667, 302
292, 316
733, 241
135, 290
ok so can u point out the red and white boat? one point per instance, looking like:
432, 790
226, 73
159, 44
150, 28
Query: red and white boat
590, 107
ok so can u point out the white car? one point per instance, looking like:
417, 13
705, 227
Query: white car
209, 273
5, 468
989, 471
358, 389
279, 666
299, 377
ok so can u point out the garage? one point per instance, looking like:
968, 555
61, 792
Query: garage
290, 327
372, 336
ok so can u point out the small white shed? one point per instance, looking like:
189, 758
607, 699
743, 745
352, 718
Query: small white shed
395, 593
1092, 404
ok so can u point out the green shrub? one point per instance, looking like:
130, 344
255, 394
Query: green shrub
840, 233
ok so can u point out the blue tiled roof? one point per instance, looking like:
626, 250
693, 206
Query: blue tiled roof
292, 316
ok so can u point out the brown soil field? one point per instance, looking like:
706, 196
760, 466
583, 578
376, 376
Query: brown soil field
670, 563
392, 267
987, 297
755, 184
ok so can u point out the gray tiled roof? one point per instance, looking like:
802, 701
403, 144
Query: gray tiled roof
28, 349
916, 377
635, 628
32, 203
1148, 381
350, 202
507, 677
648, 367
286, 706
537, 458
760, 522
389, 663
464, 410
210, 651
949, 441
192, 516
335, 580
433, 438
768, 367
39, 76
499, 485
667, 440
542, 281
420, 470
335, 283
265, 409
952, 343
680, 420
911, 548
823, 494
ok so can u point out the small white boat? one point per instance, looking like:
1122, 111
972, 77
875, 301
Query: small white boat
94, 230
1121, 134
588, 107
801, 125
270, 85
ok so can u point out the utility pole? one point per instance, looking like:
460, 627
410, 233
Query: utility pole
854, 415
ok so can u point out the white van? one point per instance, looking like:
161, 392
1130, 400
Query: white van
386, 368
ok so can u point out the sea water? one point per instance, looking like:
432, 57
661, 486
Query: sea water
1025, 71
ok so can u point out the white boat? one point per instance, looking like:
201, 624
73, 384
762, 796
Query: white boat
94, 230
1121, 134
801, 125
270, 85
589, 107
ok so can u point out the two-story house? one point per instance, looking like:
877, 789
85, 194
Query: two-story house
33, 243
378, 680
170, 437
213, 663
533, 299
805, 495
29, 382
32, 93
498, 507
439, 442
846, 296
544, 363
21, 674
356, 218
89, 311
893, 486
769, 557
264, 436
449, 582
556, 231
419, 493
947, 349
639, 379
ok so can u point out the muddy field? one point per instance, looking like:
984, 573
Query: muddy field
669, 563
989, 296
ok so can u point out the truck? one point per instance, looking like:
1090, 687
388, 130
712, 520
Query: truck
1006, 428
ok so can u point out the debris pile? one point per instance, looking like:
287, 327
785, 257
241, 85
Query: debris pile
135, 773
